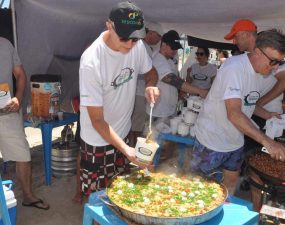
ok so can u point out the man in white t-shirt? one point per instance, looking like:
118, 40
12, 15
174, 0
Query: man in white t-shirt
13, 143
169, 82
152, 38
108, 76
272, 88
225, 116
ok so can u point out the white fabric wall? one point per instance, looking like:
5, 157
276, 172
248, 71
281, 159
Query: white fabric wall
51, 41
52, 34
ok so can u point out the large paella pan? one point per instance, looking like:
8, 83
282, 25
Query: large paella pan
166, 199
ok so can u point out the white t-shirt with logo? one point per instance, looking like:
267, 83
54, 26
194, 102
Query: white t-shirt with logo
108, 79
202, 75
166, 104
141, 82
266, 84
236, 79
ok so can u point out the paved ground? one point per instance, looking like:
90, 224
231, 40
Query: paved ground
59, 194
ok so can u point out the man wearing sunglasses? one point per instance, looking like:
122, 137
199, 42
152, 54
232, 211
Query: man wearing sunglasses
202, 73
225, 117
244, 34
108, 76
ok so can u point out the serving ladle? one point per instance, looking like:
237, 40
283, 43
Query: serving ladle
148, 136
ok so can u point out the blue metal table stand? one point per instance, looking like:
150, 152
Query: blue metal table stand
235, 212
46, 129
4, 214
182, 142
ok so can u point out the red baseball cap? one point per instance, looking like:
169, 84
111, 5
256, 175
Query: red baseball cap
241, 25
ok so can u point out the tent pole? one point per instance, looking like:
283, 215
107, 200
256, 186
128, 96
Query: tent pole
183, 55
14, 24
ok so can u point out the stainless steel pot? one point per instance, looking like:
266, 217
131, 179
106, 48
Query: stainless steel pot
150, 220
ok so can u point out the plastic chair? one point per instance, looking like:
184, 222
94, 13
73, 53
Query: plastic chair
4, 214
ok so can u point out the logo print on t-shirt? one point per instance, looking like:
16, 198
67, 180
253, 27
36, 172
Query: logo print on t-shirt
251, 98
124, 76
199, 76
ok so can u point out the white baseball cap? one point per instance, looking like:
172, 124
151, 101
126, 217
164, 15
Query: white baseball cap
154, 26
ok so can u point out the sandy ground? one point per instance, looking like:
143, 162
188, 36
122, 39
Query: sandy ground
59, 195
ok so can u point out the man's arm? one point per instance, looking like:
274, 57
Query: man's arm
20, 75
151, 91
188, 77
106, 131
277, 90
244, 125
264, 114
21, 80
180, 84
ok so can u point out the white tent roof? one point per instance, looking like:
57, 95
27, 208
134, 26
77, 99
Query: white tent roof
52, 33
206, 18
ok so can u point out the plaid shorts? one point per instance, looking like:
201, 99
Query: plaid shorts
211, 163
98, 165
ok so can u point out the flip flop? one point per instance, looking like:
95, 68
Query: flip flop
36, 204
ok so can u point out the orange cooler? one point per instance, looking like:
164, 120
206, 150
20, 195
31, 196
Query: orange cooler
45, 93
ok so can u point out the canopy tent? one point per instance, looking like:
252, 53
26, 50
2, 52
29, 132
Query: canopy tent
53, 34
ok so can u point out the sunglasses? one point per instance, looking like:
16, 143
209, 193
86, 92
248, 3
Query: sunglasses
134, 40
200, 53
272, 62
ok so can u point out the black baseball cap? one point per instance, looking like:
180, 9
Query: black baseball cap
172, 39
128, 20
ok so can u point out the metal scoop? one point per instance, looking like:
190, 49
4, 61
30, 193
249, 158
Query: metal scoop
148, 137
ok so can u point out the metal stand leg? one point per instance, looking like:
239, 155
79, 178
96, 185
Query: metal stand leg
181, 155
47, 144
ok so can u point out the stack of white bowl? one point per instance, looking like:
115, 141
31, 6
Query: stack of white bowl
183, 124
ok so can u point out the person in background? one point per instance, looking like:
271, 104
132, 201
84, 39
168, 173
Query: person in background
152, 38
202, 74
169, 82
243, 33
222, 55
107, 82
13, 143
236, 52
225, 116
